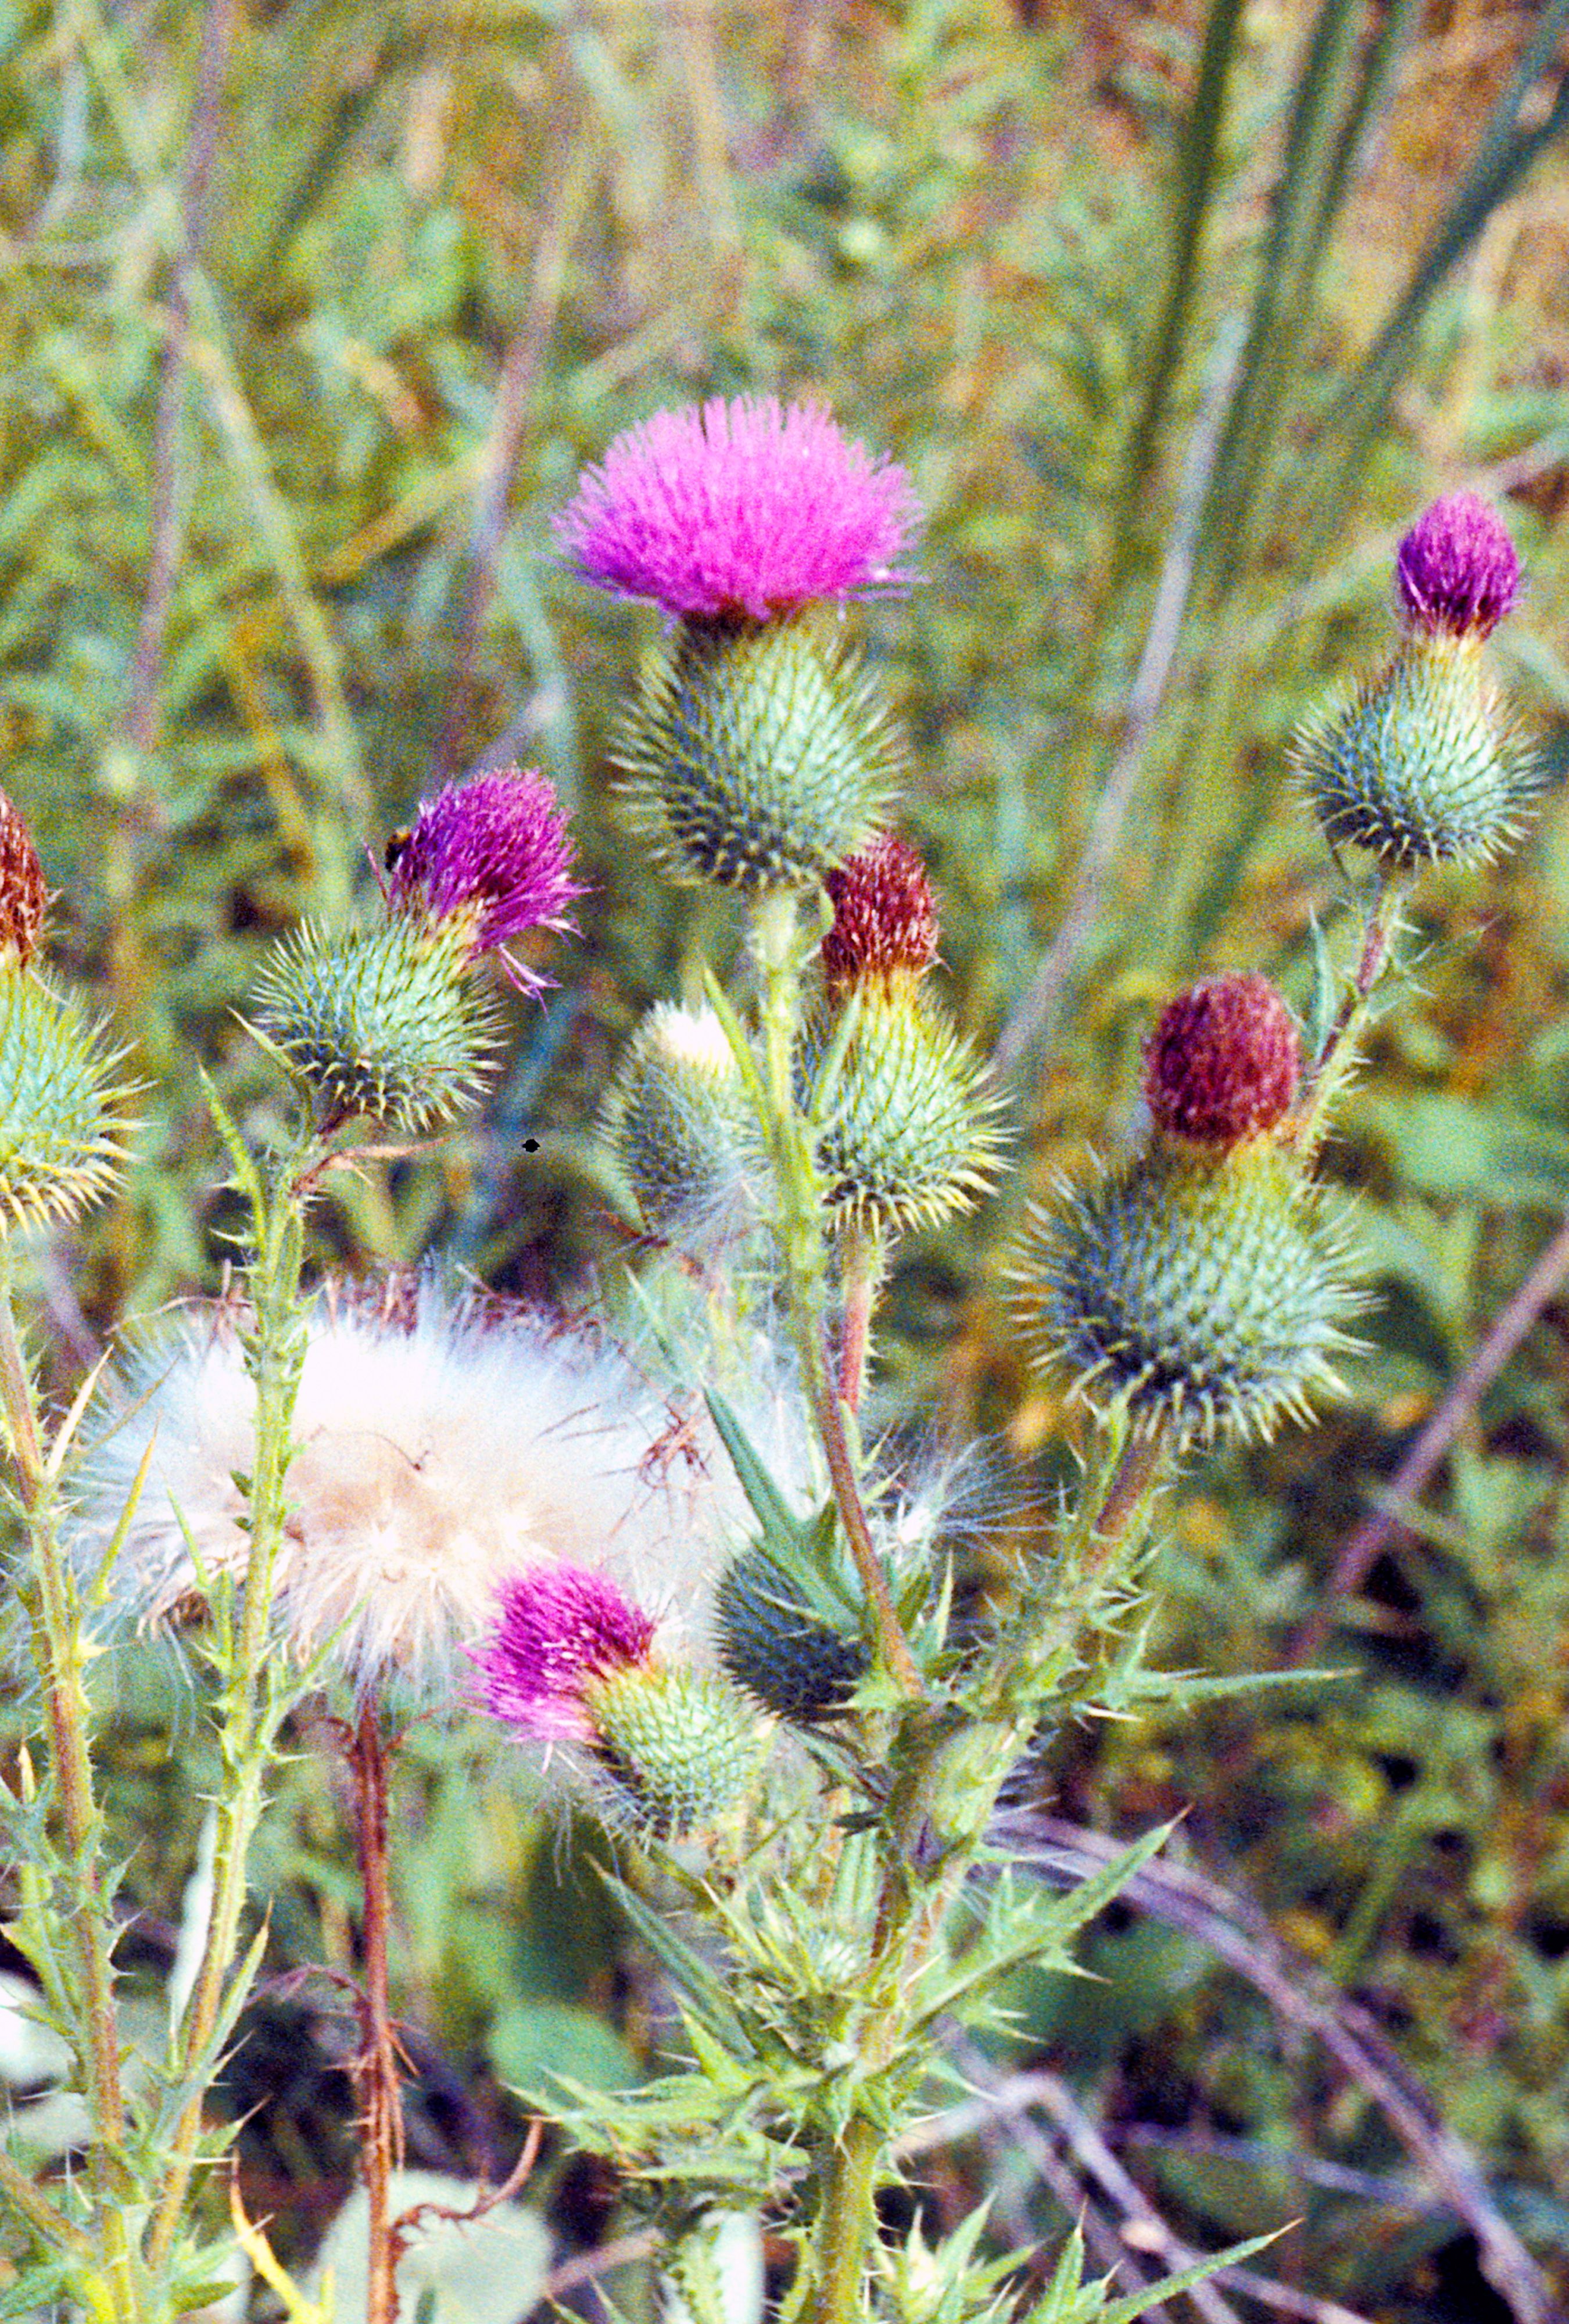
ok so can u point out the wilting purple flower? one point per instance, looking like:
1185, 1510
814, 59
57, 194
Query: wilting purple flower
559, 1628
496, 847
1457, 571
745, 508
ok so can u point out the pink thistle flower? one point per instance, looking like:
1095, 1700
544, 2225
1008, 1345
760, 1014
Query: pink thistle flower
496, 849
884, 918
1224, 1062
559, 1629
1456, 571
745, 509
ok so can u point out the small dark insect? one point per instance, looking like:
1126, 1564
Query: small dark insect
395, 846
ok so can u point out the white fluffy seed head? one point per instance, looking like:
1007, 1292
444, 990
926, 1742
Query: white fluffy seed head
438, 1452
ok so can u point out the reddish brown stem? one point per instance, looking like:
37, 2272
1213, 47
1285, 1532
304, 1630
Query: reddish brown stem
377, 2070
861, 1266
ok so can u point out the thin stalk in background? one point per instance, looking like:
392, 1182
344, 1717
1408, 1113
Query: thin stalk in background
1367, 1541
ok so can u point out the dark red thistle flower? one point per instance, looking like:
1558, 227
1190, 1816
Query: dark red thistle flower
1224, 1062
24, 894
1456, 572
560, 1627
884, 917
496, 847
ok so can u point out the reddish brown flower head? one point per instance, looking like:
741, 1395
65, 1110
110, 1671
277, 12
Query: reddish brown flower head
1224, 1062
884, 918
1457, 572
23, 892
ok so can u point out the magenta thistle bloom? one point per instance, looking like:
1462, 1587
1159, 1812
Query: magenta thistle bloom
560, 1628
1224, 1062
1456, 571
746, 509
495, 848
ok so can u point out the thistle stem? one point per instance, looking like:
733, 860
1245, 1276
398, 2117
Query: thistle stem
801, 1254
861, 1271
1329, 1068
845, 2226
376, 2071
249, 1720
59, 1654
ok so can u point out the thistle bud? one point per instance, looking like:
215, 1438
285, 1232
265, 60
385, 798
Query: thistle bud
901, 1110
677, 1122
673, 1747
1420, 766
572, 1660
24, 895
60, 1138
797, 1663
380, 1022
1224, 1063
761, 754
1202, 1297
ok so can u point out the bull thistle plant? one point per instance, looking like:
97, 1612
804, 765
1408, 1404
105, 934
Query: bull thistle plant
409, 1498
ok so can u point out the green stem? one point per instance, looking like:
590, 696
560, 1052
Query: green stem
61, 1662
1329, 1068
245, 1735
845, 2226
802, 1259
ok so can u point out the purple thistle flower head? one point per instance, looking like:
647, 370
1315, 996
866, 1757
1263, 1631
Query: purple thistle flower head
1456, 572
741, 510
496, 847
559, 1628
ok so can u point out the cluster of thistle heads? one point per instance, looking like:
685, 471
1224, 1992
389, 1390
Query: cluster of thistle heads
473, 1484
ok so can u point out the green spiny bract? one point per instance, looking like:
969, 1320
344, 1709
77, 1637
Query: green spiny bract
59, 1147
380, 1021
764, 754
677, 1121
775, 1645
1201, 1298
674, 1747
900, 1108
1419, 767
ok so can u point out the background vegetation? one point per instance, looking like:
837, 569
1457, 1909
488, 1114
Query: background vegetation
309, 312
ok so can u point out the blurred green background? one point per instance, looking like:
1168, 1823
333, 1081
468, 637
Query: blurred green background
310, 313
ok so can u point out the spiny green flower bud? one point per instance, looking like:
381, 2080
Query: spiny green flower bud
678, 1121
1202, 1295
380, 1021
59, 1142
773, 1644
1419, 767
675, 1747
901, 1107
763, 752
